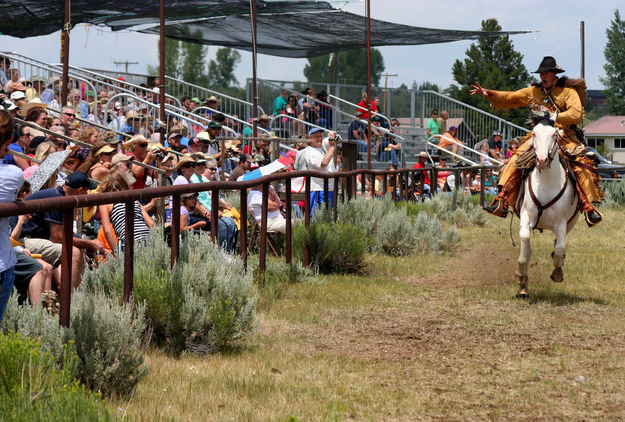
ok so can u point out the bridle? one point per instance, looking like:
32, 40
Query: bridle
553, 150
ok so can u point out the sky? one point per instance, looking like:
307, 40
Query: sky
557, 23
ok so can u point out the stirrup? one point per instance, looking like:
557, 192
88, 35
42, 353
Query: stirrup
593, 217
498, 207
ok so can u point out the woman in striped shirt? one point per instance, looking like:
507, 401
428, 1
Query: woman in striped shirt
113, 216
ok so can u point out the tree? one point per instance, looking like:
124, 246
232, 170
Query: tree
193, 63
494, 63
221, 70
425, 86
615, 66
352, 67
173, 59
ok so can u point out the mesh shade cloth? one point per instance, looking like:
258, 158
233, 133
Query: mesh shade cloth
284, 28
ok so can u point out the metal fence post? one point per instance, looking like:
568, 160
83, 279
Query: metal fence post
129, 250
243, 232
66, 267
175, 228
287, 234
215, 217
262, 253
307, 222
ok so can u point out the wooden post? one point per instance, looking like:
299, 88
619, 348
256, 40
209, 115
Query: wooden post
287, 239
243, 232
175, 228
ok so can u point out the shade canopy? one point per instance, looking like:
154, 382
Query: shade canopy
285, 28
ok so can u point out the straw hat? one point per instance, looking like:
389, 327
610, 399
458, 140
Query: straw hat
199, 157
105, 149
184, 159
263, 117
132, 114
137, 139
212, 98
159, 147
34, 103
203, 136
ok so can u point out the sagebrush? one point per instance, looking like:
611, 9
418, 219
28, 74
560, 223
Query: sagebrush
187, 307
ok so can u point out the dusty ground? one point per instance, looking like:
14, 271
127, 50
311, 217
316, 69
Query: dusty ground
423, 338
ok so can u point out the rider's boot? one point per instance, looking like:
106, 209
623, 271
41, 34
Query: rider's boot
507, 195
590, 212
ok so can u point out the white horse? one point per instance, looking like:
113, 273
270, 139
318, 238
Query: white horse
549, 201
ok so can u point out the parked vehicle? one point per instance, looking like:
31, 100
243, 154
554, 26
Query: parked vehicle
606, 168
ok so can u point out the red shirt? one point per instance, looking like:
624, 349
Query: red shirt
365, 113
421, 165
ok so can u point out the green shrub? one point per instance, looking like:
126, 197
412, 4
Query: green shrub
108, 339
32, 388
614, 194
457, 208
334, 248
185, 306
396, 234
105, 335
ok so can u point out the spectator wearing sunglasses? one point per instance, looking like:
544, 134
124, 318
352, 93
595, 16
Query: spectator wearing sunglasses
68, 116
137, 147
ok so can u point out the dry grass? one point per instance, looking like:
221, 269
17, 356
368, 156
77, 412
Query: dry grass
434, 338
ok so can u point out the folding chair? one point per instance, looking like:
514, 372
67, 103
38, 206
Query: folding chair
256, 234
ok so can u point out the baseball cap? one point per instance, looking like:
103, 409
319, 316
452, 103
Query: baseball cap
78, 179
496, 133
17, 95
214, 125
314, 130
174, 135
118, 158
453, 127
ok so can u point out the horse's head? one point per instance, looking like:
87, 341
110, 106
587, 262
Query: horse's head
544, 137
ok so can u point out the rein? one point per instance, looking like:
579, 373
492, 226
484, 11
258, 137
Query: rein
540, 206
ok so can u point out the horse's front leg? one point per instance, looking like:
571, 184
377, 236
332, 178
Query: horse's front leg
558, 253
524, 255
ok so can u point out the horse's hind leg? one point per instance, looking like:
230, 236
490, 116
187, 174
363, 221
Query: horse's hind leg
524, 256
558, 254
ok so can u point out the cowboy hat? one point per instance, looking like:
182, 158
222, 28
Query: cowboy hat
184, 159
263, 117
204, 137
34, 103
423, 154
548, 63
212, 98
137, 139
199, 157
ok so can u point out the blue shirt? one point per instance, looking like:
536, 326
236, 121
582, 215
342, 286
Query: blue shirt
39, 225
11, 179
279, 104
9, 157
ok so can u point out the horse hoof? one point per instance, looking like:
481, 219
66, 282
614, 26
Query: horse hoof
557, 275
522, 294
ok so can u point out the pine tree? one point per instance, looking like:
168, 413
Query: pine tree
173, 56
494, 63
352, 67
614, 67
221, 70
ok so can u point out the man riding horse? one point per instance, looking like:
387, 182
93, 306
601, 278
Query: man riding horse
567, 98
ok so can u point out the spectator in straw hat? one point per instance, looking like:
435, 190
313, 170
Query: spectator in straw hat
133, 123
137, 147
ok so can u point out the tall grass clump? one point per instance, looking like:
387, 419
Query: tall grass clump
106, 336
33, 388
334, 248
202, 305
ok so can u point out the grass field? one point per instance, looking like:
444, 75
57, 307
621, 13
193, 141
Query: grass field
433, 337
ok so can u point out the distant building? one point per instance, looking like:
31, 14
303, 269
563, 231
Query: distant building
608, 130
596, 97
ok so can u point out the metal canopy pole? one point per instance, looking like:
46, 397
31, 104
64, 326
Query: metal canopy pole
254, 81
161, 85
369, 84
65, 54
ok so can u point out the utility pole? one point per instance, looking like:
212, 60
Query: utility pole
65, 61
386, 76
125, 63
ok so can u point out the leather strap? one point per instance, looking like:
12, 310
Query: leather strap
541, 207
582, 165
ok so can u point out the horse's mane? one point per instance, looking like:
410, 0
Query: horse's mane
540, 117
